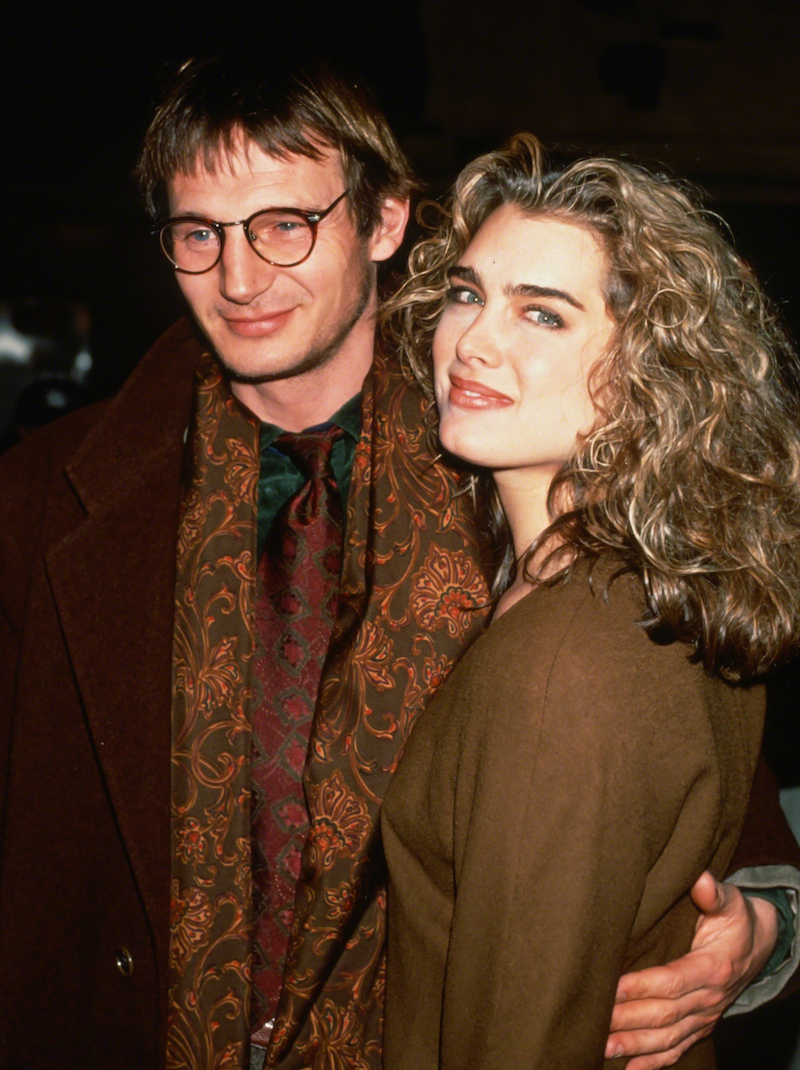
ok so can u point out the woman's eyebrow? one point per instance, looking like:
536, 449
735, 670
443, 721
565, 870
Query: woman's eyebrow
468, 274
526, 289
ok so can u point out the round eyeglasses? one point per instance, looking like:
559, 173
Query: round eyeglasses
284, 237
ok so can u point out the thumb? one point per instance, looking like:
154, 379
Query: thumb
708, 895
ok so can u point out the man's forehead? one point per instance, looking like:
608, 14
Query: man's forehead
242, 154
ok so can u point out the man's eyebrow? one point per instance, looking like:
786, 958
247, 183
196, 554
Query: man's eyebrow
521, 289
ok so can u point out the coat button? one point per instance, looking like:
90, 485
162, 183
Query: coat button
124, 961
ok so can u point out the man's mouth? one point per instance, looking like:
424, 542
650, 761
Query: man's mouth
257, 326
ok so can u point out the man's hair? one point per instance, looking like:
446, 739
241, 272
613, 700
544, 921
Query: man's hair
691, 475
212, 101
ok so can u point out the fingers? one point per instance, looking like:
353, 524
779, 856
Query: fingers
663, 1010
657, 1014
680, 978
708, 895
667, 1057
652, 1048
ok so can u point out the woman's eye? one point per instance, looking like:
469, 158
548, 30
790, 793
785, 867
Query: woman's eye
544, 318
460, 295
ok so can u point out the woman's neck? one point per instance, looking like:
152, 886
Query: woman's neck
523, 494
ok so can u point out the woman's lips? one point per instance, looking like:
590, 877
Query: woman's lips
257, 327
467, 394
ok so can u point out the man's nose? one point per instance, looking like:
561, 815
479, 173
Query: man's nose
243, 274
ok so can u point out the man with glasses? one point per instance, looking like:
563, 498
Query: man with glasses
227, 594
284, 237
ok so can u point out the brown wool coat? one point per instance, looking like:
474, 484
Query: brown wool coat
551, 811
89, 510
87, 590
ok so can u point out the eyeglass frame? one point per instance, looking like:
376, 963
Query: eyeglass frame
313, 219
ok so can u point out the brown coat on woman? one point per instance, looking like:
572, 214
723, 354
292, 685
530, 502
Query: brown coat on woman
552, 810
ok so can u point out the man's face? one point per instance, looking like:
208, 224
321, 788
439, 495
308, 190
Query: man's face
265, 322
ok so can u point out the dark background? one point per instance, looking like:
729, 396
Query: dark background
710, 91
707, 90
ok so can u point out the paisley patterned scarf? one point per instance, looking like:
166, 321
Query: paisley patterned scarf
210, 897
412, 597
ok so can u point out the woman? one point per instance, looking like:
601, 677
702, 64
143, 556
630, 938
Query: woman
602, 353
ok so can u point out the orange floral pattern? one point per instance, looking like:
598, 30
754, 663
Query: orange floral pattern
191, 916
341, 822
337, 1039
447, 591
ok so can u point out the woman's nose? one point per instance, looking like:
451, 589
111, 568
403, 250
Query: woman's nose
481, 341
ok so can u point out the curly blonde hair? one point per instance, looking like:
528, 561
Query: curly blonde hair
691, 476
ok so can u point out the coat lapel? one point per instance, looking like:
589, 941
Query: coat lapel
113, 580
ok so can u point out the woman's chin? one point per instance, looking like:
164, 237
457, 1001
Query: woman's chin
464, 447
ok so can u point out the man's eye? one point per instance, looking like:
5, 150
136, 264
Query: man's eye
271, 227
194, 234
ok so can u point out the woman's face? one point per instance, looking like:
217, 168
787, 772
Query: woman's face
524, 323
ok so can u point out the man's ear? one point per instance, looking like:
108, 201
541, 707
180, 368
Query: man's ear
388, 234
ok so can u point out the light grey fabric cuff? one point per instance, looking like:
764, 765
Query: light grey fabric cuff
753, 878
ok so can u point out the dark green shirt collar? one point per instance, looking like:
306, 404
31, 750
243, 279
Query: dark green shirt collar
348, 418
279, 479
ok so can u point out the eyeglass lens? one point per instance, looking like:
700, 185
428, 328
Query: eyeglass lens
279, 236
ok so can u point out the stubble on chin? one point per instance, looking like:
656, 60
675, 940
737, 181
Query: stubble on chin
314, 359
323, 350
